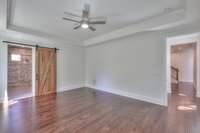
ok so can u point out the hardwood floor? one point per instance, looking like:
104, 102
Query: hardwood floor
184, 110
89, 111
18, 92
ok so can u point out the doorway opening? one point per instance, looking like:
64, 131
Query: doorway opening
20, 69
182, 71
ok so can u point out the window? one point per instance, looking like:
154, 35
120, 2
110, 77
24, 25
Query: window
15, 57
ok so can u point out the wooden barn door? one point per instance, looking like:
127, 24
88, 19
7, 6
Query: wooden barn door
45, 71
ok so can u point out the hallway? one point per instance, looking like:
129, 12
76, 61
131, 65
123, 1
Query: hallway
183, 109
183, 94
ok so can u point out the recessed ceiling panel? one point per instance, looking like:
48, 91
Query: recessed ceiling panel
46, 15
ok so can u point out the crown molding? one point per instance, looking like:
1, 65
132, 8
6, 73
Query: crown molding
169, 19
48, 38
14, 32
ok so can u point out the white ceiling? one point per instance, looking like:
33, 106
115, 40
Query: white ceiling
45, 16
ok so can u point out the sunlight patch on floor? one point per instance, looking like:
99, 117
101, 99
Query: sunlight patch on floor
9, 103
181, 94
187, 107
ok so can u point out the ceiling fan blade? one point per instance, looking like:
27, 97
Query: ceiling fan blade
69, 19
100, 18
97, 22
72, 14
79, 26
92, 28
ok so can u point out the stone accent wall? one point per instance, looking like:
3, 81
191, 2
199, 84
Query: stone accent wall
20, 72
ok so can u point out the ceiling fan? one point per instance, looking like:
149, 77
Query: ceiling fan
85, 21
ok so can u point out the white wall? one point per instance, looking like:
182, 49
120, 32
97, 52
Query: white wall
184, 61
3, 72
133, 66
70, 67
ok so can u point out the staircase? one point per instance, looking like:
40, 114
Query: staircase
175, 74
174, 78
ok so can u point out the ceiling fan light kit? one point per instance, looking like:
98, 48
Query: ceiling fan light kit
85, 21
84, 25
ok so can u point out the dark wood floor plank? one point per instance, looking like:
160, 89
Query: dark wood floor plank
86, 110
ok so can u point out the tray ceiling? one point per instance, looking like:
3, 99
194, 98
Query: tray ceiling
45, 16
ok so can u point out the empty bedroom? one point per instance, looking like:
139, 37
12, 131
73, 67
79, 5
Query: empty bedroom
99, 66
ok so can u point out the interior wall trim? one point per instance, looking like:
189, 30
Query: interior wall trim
131, 95
70, 87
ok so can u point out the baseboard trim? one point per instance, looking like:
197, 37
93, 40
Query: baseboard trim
116, 92
68, 88
131, 95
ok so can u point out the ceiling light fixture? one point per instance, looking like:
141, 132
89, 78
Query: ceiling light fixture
84, 25
84, 20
